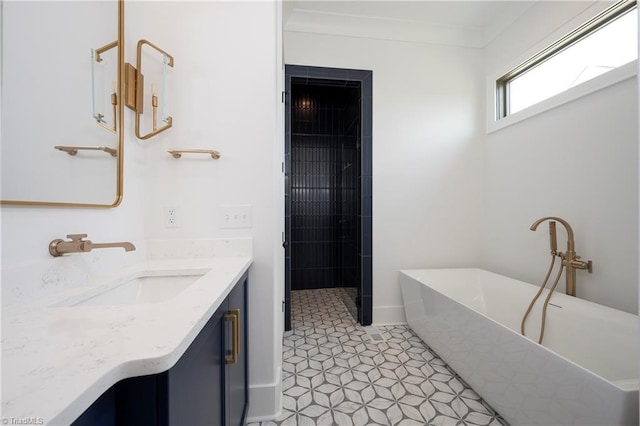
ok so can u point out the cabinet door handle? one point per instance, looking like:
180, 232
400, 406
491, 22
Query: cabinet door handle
234, 316
236, 334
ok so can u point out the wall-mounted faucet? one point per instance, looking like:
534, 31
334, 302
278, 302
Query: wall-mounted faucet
78, 244
570, 260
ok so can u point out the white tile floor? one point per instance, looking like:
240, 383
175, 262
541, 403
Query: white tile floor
334, 375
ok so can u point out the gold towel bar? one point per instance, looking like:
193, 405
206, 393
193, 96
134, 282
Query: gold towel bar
177, 153
73, 150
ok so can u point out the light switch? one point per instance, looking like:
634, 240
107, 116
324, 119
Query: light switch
236, 216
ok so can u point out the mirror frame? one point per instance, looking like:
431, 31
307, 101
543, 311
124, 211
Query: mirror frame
120, 137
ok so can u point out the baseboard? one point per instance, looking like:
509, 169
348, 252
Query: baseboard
265, 401
388, 315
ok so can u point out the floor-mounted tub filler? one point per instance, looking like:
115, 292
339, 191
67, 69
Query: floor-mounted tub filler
586, 373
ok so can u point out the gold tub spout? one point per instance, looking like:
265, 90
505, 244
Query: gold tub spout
78, 244
570, 259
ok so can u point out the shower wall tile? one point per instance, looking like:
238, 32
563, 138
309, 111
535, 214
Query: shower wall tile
324, 200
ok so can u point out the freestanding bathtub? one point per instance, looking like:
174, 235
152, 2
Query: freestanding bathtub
584, 373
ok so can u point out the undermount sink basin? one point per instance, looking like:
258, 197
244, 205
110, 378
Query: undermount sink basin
138, 290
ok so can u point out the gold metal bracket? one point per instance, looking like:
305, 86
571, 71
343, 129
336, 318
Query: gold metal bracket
134, 91
73, 150
177, 153
133, 86
100, 50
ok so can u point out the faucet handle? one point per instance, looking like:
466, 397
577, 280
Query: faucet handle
581, 264
76, 237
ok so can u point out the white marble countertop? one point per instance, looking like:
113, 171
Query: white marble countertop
57, 360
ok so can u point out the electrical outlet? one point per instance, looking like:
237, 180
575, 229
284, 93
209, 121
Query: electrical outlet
171, 217
236, 216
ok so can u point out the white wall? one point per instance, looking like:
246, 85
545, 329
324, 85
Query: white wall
578, 161
226, 83
428, 112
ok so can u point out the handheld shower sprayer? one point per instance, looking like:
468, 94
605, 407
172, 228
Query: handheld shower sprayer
553, 241
546, 301
553, 245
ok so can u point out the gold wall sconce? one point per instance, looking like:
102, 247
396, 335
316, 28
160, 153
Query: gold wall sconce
134, 91
96, 56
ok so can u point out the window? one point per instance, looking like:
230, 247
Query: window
608, 41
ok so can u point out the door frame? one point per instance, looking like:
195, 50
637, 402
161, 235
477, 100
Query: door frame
365, 77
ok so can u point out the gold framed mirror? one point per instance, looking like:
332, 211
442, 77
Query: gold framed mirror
61, 118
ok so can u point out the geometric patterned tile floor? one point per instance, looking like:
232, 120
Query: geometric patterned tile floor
333, 374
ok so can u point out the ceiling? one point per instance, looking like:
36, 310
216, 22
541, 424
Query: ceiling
461, 23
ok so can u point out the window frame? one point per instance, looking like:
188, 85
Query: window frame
592, 25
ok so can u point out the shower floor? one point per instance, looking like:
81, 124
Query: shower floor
334, 375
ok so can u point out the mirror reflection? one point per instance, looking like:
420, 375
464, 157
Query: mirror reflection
59, 102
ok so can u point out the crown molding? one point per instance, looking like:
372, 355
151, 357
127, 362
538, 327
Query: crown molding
320, 22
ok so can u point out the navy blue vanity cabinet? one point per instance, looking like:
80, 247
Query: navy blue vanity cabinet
132, 401
207, 386
101, 413
236, 375
191, 390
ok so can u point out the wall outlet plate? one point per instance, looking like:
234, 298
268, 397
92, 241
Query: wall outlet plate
236, 216
171, 217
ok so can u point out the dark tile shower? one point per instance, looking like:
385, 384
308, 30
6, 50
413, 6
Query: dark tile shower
328, 185
325, 193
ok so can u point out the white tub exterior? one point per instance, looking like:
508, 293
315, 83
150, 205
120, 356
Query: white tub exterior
585, 373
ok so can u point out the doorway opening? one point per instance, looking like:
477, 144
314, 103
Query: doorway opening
328, 185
